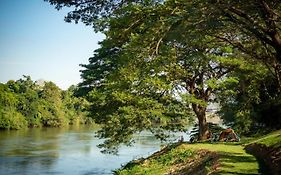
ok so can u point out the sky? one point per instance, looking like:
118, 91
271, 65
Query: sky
36, 41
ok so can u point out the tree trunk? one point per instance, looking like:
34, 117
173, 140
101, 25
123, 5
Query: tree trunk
200, 112
203, 127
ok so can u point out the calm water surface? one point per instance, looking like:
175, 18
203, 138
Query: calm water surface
65, 151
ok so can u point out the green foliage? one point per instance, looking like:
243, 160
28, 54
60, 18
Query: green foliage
251, 104
147, 72
25, 104
11, 119
159, 164
159, 54
122, 113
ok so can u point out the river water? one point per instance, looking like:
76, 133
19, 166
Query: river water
71, 150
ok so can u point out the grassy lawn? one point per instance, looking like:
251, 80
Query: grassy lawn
273, 139
233, 158
203, 158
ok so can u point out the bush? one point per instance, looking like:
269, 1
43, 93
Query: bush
11, 119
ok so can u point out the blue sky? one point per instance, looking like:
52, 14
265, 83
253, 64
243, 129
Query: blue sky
35, 41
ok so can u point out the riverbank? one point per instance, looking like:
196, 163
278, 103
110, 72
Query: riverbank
212, 158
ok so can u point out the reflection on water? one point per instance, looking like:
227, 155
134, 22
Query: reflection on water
64, 151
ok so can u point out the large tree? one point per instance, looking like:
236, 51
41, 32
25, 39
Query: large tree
155, 64
169, 48
251, 26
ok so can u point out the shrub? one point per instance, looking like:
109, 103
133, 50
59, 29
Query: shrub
11, 119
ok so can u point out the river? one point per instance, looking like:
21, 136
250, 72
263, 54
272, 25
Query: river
71, 150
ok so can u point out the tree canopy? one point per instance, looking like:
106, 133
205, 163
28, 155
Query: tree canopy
162, 59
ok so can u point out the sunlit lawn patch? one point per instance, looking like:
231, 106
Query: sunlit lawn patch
233, 158
272, 139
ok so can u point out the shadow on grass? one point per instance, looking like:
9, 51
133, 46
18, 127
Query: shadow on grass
242, 173
262, 154
237, 163
232, 158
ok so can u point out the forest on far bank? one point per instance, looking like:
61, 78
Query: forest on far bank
27, 103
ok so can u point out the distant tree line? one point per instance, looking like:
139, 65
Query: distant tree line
24, 103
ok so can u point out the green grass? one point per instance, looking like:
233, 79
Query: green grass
158, 165
233, 158
273, 139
